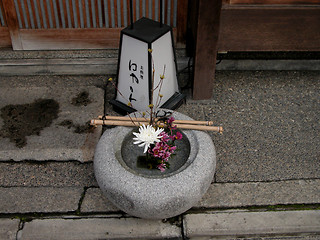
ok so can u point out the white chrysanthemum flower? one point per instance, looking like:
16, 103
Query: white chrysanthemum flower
146, 136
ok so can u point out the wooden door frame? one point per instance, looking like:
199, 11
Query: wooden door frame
5, 41
247, 27
4, 31
76, 38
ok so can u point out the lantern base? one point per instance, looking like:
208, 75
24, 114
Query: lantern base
121, 108
175, 101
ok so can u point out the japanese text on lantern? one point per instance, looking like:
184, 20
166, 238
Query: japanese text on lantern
133, 70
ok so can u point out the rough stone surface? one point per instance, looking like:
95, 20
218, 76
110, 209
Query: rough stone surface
288, 237
95, 201
221, 195
9, 228
246, 103
41, 199
194, 112
99, 228
310, 65
230, 195
302, 237
154, 197
242, 223
271, 122
61, 81
46, 174
66, 137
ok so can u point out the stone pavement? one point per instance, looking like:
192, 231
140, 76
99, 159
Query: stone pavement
267, 181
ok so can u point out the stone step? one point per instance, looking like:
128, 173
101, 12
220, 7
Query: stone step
104, 66
86, 62
233, 195
77, 197
9, 228
112, 227
8, 53
46, 174
73, 62
79, 66
17, 200
232, 224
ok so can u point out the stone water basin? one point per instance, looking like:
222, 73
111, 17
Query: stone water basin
149, 193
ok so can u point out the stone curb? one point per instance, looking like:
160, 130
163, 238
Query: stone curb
209, 225
105, 65
95, 201
99, 228
219, 195
9, 228
226, 195
58, 66
39, 200
46, 174
248, 224
231, 195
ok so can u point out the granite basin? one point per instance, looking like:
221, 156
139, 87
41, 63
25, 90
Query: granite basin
154, 195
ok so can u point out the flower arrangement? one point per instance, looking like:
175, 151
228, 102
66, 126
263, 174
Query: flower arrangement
158, 133
159, 144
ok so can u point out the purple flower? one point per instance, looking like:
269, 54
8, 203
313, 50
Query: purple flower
162, 167
172, 149
178, 135
165, 137
170, 120
164, 147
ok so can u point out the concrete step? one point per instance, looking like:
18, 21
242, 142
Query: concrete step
72, 62
99, 62
233, 224
228, 224
75, 196
103, 227
9, 228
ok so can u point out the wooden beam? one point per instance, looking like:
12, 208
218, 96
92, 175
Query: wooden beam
182, 15
282, 2
206, 42
12, 23
74, 38
262, 28
5, 40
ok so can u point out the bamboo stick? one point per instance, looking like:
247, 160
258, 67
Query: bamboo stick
176, 121
116, 123
199, 127
130, 123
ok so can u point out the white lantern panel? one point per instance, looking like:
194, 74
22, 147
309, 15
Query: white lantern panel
163, 56
133, 73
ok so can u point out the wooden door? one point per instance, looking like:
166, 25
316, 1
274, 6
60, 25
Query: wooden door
248, 25
83, 24
270, 25
4, 31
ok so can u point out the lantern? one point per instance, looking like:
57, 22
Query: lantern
146, 55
